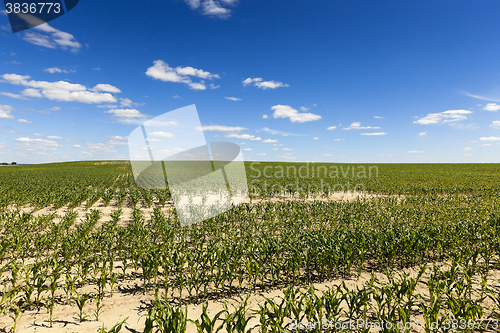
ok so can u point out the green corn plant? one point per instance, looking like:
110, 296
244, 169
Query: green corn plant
113, 278
115, 329
207, 325
15, 267
28, 289
101, 281
49, 304
80, 303
332, 304
16, 316
165, 318
98, 306
41, 278
69, 286
237, 320
273, 315
7, 298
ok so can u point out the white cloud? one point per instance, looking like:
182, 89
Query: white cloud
287, 157
422, 133
40, 143
154, 122
484, 98
220, 128
339, 140
244, 136
107, 88
30, 92
286, 111
247, 149
275, 149
190, 71
415, 151
11, 95
54, 137
315, 138
214, 8
176, 96
265, 116
107, 106
99, 148
24, 121
495, 124
486, 145
162, 134
331, 128
5, 112
270, 141
467, 148
117, 137
328, 154
492, 107
490, 138
197, 85
58, 91
378, 117
55, 108
53, 70
357, 126
261, 154
233, 98
162, 71
303, 108
443, 117
283, 133
96, 68
48, 36
260, 83
375, 133
288, 149
128, 116
193, 3
126, 102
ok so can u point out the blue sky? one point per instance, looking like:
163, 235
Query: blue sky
288, 80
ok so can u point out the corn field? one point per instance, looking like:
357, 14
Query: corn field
429, 242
